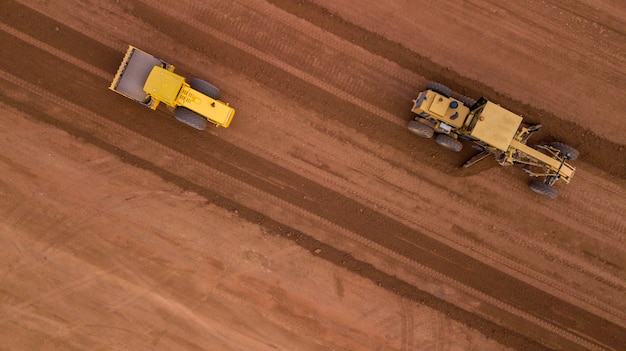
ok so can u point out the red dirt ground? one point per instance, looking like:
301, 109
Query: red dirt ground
316, 221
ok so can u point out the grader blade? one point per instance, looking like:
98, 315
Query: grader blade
477, 158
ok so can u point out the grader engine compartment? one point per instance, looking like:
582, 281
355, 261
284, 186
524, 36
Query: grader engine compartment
495, 126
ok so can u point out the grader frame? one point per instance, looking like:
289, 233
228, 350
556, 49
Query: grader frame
494, 131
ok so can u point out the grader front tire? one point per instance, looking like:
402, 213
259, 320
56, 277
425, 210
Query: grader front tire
543, 189
568, 152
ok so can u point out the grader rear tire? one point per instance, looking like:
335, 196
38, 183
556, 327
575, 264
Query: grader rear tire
449, 143
420, 129
543, 189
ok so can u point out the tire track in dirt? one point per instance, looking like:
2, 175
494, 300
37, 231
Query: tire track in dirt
592, 213
105, 125
331, 48
269, 59
54, 51
603, 210
571, 261
584, 212
302, 239
555, 128
463, 243
556, 212
173, 12
28, 311
23, 307
605, 214
408, 328
591, 13
140, 139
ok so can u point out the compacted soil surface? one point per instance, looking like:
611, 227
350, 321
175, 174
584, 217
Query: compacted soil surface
316, 221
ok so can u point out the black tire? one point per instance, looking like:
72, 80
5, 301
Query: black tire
467, 101
205, 88
190, 118
567, 151
449, 143
420, 129
543, 189
440, 88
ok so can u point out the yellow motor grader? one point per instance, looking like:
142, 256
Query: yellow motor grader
149, 80
493, 130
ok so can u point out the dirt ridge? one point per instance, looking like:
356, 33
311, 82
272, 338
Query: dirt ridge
593, 148
337, 205
313, 191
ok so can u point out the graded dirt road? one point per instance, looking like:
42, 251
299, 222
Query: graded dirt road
316, 221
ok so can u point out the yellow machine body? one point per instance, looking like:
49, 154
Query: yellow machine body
149, 81
493, 128
172, 89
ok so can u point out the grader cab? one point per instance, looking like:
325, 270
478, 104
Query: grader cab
494, 131
149, 81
